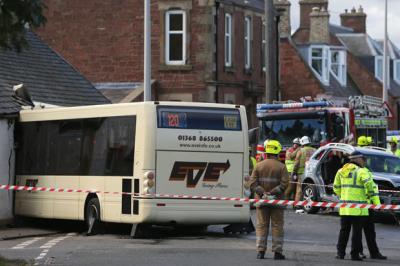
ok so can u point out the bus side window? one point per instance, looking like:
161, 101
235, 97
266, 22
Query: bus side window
109, 146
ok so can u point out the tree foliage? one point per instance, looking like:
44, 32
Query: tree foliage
15, 17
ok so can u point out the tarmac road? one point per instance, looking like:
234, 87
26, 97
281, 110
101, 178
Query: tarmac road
309, 240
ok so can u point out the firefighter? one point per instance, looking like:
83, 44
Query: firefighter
269, 180
353, 184
261, 151
289, 162
393, 146
302, 156
362, 141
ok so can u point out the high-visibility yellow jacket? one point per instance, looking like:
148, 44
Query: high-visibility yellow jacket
289, 159
354, 184
301, 158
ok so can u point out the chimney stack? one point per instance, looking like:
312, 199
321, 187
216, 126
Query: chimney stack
306, 7
319, 26
283, 7
356, 19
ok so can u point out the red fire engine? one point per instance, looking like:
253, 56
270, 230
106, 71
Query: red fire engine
323, 122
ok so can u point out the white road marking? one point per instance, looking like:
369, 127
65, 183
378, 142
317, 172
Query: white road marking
27, 243
49, 244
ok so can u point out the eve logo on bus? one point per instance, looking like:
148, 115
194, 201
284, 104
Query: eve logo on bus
185, 170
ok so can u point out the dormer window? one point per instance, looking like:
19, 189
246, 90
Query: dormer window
396, 71
338, 66
319, 62
379, 67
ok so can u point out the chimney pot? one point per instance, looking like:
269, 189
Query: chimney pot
355, 20
306, 7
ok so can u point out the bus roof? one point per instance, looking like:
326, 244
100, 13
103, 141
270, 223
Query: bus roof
55, 113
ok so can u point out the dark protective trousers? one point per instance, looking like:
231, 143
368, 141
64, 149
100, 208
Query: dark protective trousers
347, 223
370, 234
265, 215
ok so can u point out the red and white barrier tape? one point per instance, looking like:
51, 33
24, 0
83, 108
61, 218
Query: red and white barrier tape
171, 196
330, 186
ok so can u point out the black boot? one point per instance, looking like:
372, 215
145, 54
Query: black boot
340, 257
260, 255
356, 257
378, 256
279, 256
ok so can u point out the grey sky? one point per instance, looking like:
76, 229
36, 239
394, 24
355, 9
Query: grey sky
375, 15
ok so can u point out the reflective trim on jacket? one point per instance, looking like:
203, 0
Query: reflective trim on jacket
354, 184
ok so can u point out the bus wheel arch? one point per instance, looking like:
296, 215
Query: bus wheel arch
92, 214
309, 192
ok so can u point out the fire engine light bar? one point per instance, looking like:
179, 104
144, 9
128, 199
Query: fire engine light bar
277, 106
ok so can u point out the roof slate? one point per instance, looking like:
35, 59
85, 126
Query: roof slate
48, 77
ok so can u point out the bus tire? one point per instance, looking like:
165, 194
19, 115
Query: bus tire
310, 193
92, 216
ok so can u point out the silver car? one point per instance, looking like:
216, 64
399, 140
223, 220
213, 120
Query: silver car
321, 169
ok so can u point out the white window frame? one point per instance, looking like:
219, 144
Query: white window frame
167, 39
396, 67
263, 43
377, 59
325, 58
228, 40
342, 66
247, 42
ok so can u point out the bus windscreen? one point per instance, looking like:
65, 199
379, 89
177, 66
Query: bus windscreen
198, 118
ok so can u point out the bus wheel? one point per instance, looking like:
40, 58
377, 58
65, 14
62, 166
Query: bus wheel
92, 216
310, 193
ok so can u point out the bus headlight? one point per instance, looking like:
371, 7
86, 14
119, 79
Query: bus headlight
246, 183
149, 183
246, 186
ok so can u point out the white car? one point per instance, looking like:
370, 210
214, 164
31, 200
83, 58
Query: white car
321, 169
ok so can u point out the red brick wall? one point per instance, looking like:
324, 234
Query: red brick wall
356, 22
104, 41
238, 73
297, 79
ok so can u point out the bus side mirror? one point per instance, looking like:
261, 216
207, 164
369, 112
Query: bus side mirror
253, 136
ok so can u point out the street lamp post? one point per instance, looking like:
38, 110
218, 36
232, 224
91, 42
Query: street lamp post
147, 52
386, 67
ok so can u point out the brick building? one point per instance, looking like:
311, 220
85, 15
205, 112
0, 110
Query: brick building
202, 50
334, 61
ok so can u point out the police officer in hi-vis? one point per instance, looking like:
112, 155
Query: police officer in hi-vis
353, 184
269, 180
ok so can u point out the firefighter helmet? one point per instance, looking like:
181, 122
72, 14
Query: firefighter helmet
305, 140
393, 139
273, 147
296, 141
362, 141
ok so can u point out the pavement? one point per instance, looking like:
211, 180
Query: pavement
24, 232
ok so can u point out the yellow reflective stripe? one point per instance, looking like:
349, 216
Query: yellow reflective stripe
354, 201
353, 186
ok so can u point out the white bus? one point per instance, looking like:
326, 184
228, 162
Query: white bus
153, 147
